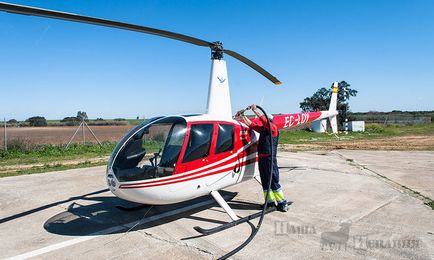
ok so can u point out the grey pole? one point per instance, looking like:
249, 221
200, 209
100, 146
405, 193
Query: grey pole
90, 130
76, 131
82, 131
6, 136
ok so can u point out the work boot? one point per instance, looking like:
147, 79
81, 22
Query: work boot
270, 204
283, 206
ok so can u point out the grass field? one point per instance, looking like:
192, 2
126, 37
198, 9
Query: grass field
43, 154
51, 168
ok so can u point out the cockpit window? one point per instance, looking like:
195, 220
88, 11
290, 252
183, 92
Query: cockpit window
199, 143
150, 152
173, 145
225, 138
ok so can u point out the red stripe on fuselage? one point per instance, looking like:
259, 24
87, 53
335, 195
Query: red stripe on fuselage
180, 175
147, 185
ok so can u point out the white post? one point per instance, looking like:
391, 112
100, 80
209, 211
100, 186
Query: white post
345, 101
6, 136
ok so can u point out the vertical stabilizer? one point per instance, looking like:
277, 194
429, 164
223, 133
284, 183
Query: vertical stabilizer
219, 100
333, 107
334, 97
334, 124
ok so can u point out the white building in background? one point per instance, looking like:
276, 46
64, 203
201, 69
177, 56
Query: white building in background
355, 126
319, 126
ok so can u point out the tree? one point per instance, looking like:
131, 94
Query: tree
12, 122
320, 100
37, 121
81, 115
71, 120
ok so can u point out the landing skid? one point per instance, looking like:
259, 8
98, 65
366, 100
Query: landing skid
235, 219
234, 223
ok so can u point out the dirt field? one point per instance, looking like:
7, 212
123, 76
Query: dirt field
419, 142
61, 135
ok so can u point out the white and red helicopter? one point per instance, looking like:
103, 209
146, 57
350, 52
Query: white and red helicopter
171, 159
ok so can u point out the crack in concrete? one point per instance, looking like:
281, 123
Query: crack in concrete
390, 182
175, 242
369, 212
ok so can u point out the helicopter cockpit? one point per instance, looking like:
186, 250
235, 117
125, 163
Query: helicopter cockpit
149, 150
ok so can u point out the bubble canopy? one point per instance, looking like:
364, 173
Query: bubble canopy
150, 150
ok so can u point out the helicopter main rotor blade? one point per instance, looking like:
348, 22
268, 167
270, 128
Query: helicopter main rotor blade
27, 10
253, 65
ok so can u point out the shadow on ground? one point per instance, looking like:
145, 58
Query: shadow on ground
47, 206
106, 217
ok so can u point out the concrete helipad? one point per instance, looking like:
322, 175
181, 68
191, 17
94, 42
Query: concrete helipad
347, 204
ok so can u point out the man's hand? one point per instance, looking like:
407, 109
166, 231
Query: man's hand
255, 110
240, 113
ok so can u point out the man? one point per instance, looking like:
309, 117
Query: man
264, 153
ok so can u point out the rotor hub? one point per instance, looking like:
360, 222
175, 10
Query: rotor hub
216, 50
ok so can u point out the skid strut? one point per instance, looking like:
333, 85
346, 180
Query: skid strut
235, 219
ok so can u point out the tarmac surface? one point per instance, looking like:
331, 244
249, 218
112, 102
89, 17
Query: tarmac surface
346, 204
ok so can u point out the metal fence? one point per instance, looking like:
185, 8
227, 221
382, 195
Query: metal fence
386, 119
14, 135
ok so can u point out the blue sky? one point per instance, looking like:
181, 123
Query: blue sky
384, 49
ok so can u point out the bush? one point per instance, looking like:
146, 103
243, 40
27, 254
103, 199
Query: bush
119, 119
107, 122
12, 122
71, 120
374, 128
392, 126
37, 121
22, 148
20, 144
158, 137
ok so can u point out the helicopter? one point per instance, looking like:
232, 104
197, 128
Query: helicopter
171, 159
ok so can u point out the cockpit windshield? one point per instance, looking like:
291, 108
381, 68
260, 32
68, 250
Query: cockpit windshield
151, 151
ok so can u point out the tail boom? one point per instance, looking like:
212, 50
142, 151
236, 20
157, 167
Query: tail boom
288, 121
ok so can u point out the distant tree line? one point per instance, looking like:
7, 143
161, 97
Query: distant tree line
40, 121
37, 121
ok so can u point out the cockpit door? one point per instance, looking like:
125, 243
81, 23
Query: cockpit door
198, 149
